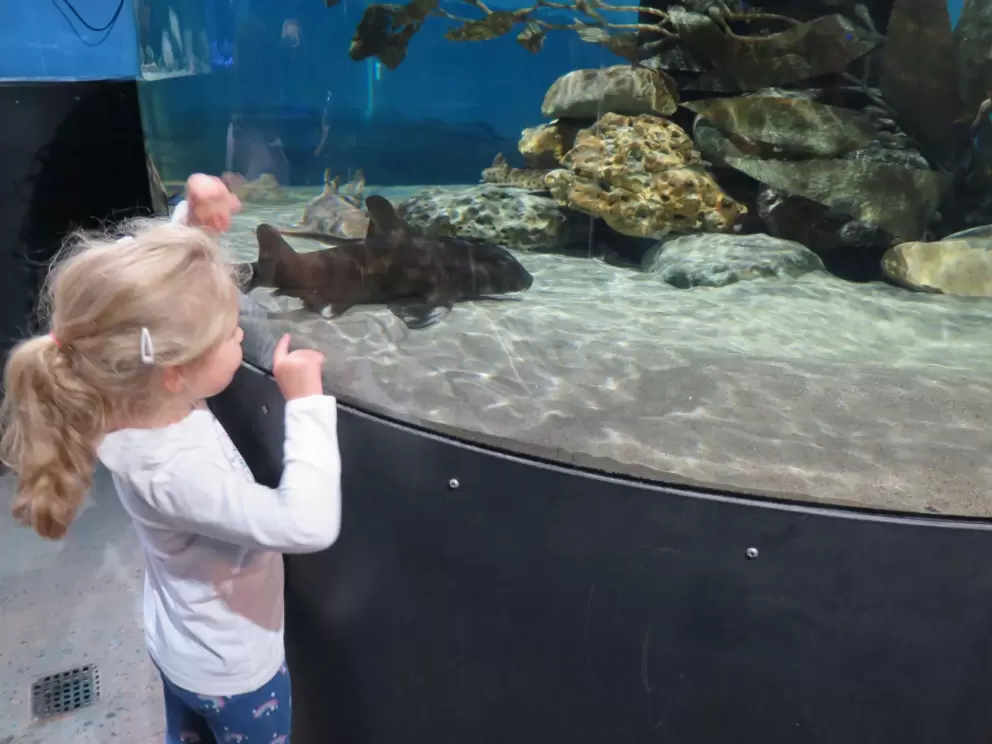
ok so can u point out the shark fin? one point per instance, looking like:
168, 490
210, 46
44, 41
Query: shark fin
418, 315
272, 251
383, 220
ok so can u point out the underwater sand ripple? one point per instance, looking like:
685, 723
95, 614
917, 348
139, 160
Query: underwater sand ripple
814, 387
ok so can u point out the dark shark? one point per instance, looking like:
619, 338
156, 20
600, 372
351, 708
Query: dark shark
418, 278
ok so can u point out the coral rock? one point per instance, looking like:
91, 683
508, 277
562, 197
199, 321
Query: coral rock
544, 146
500, 172
621, 90
643, 177
497, 214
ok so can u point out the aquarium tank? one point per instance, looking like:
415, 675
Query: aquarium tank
739, 244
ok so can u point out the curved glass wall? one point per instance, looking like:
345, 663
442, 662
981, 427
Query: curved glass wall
737, 243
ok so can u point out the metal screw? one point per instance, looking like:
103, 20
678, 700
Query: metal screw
751, 553
453, 484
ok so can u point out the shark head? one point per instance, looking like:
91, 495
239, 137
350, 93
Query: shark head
496, 271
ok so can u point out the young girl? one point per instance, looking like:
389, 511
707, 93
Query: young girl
142, 331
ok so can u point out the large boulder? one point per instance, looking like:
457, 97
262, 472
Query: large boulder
621, 89
831, 177
718, 260
512, 217
955, 265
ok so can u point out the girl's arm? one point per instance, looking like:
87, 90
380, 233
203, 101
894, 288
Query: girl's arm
302, 515
208, 204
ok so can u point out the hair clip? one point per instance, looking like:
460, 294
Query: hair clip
147, 348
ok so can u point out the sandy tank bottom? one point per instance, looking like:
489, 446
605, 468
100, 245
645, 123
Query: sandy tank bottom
811, 387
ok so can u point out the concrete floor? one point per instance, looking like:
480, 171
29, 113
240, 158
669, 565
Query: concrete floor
70, 603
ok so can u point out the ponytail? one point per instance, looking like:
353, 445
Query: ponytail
52, 423
63, 393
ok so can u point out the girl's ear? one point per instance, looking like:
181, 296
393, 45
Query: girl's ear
172, 377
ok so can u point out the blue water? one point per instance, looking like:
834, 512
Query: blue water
475, 96
496, 82
42, 39
954, 8
440, 117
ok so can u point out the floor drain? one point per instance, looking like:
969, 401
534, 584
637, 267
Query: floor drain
65, 691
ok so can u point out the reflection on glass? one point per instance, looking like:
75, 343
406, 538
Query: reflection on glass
744, 244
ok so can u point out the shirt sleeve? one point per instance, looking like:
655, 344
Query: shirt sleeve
302, 515
181, 213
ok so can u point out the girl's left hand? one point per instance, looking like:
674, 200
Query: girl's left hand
211, 204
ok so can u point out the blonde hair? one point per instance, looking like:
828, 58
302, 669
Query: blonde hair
64, 389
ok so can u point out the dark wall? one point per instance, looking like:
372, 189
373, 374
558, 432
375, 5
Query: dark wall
72, 155
531, 604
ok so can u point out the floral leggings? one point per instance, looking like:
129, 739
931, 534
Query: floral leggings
260, 717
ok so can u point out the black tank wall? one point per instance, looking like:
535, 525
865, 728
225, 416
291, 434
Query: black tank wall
71, 155
475, 597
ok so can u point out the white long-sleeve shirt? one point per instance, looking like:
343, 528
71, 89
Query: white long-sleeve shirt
212, 538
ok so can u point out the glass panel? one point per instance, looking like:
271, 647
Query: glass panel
742, 244
59, 40
179, 38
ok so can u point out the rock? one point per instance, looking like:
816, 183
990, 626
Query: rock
506, 216
500, 172
979, 231
718, 260
795, 127
705, 6
890, 153
804, 94
974, 39
819, 228
918, 77
959, 267
804, 10
735, 62
544, 146
621, 89
899, 200
264, 189
643, 176
797, 145
874, 186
